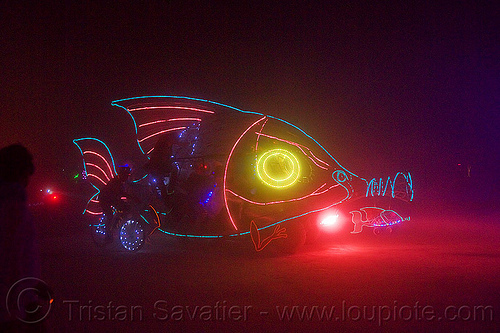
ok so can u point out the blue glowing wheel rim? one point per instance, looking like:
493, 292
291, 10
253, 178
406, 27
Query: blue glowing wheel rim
132, 235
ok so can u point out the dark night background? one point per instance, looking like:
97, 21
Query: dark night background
384, 87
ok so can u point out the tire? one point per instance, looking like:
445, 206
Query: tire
132, 235
98, 232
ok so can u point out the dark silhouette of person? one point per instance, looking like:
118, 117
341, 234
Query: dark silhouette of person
161, 165
19, 257
111, 196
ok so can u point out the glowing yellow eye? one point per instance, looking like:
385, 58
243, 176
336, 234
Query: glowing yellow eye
278, 168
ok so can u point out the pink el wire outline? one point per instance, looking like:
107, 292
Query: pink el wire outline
99, 168
258, 136
97, 177
315, 192
161, 132
170, 107
94, 153
172, 119
298, 146
227, 165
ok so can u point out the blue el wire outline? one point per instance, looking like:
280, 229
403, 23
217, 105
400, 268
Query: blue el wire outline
382, 192
75, 141
115, 103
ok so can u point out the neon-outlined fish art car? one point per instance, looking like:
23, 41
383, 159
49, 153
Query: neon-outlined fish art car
244, 172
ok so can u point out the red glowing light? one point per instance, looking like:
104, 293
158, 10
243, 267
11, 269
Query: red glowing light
54, 197
330, 222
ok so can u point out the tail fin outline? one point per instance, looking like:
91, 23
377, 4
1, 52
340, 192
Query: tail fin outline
98, 166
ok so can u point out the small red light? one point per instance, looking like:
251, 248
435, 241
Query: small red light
54, 197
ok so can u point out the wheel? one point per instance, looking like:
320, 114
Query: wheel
132, 235
377, 231
98, 231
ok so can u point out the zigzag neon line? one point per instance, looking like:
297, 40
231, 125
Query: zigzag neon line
173, 119
92, 175
94, 153
408, 181
297, 145
170, 107
161, 132
227, 165
98, 167
314, 193
381, 190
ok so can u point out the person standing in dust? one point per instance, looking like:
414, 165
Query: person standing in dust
19, 255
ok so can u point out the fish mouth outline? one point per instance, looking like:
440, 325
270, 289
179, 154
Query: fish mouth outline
327, 164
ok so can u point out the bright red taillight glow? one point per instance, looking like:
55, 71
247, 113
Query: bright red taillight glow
54, 197
330, 222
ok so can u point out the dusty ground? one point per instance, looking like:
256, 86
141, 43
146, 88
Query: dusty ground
439, 272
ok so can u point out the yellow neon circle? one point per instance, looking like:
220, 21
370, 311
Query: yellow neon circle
278, 168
